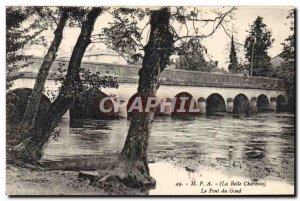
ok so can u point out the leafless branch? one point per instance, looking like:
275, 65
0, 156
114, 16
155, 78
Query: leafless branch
175, 33
217, 23
118, 52
144, 27
230, 36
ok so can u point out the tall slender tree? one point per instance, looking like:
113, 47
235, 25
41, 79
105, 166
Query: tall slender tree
233, 62
17, 38
257, 44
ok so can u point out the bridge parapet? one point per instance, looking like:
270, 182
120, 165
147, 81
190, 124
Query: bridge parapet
129, 74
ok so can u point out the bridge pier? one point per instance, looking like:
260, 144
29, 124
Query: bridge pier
253, 106
273, 103
202, 105
165, 107
229, 105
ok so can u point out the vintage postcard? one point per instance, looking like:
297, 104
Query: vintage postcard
150, 101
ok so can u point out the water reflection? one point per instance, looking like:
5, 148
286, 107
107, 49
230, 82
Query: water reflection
256, 147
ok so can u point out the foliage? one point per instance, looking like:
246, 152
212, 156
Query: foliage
287, 69
259, 41
30, 149
126, 36
233, 62
192, 57
15, 42
219, 70
89, 81
24, 27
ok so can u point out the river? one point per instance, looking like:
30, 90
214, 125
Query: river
255, 148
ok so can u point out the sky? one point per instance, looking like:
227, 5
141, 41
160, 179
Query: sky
273, 17
218, 44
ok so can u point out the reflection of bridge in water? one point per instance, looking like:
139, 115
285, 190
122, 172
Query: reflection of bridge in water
210, 93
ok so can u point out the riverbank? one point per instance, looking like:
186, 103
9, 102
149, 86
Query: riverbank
22, 181
25, 181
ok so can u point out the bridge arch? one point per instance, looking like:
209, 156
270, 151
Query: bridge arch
263, 103
281, 104
17, 101
241, 105
215, 103
190, 103
89, 106
253, 105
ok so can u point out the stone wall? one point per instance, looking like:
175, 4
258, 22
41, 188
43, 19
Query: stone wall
129, 74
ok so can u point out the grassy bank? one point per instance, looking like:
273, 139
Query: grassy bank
24, 181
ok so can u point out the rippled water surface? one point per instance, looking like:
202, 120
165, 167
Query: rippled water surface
257, 147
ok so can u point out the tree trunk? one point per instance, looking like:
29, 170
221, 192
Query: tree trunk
131, 168
30, 150
34, 100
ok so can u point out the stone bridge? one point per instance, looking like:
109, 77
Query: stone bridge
210, 92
